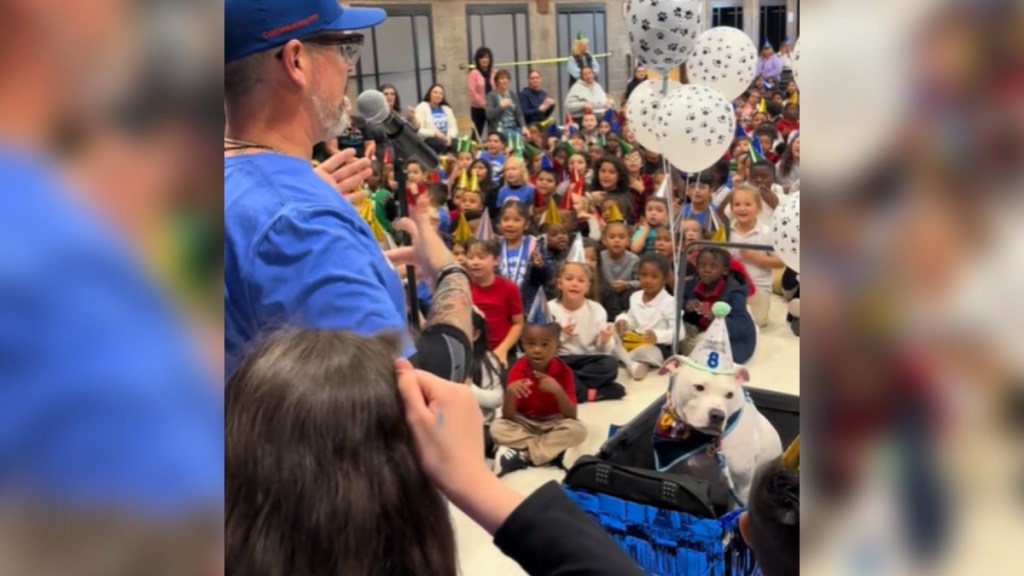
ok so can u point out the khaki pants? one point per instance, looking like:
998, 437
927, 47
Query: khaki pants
760, 305
692, 336
542, 439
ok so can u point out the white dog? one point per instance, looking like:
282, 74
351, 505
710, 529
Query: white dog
707, 413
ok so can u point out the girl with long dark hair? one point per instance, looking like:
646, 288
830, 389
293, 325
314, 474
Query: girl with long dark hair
611, 180
486, 377
480, 83
438, 126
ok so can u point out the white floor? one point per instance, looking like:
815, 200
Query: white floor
775, 366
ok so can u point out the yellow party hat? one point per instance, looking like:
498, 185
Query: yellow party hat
612, 212
462, 232
551, 215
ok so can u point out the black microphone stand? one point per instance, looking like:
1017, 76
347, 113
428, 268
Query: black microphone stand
398, 163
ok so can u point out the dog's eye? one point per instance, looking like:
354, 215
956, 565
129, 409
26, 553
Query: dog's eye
698, 387
729, 396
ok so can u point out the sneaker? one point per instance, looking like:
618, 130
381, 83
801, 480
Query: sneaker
639, 371
508, 460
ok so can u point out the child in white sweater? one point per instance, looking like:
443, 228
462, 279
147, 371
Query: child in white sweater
586, 340
645, 330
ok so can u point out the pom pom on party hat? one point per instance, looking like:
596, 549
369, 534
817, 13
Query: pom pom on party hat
539, 315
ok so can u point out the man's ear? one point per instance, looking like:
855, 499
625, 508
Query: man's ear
745, 527
742, 376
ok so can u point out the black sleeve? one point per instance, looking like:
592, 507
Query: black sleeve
549, 535
445, 351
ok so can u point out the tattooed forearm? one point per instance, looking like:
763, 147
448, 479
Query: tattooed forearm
452, 304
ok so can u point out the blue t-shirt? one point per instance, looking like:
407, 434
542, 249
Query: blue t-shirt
524, 194
297, 254
103, 401
444, 220
440, 120
688, 213
497, 165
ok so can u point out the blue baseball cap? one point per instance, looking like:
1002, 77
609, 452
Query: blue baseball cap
252, 26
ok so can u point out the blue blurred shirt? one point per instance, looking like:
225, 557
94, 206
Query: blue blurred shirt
297, 254
102, 400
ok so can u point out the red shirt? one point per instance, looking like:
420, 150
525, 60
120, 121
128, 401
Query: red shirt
785, 127
540, 405
499, 302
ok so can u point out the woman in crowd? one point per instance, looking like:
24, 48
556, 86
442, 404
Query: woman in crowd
503, 112
391, 95
581, 58
587, 93
480, 82
639, 75
438, 126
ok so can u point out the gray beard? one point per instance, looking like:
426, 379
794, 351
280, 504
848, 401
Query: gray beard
334, 121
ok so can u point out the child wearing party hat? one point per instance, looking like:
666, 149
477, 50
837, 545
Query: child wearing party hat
645, 330
538, 419
587, 338
717, 282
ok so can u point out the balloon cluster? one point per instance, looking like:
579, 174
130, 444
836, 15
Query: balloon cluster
692, 125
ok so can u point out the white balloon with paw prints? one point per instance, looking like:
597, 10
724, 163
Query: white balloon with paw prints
786, 230
642, 110
662, 32
724, 58
695, 126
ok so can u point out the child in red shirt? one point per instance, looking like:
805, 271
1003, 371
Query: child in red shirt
790, 121
496, 297
538, 420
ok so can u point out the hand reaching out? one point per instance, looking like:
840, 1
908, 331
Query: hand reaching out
519, 388
346, 173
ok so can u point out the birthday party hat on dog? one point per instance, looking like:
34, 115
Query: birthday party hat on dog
576, 253
539, 310
714, 352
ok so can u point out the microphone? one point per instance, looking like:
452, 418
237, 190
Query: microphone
374, 109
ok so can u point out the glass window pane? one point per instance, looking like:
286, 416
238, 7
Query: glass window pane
423, 41
426, 81
367, 62
476, 35
498, 31
394, 45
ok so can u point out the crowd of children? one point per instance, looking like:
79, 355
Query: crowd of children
567, 239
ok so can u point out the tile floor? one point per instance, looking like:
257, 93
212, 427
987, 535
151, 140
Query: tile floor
775, 366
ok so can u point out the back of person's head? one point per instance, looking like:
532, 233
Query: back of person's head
771, 524
438, 194
773, 108
767, 129
320, 465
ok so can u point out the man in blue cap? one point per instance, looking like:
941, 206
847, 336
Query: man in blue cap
296, 252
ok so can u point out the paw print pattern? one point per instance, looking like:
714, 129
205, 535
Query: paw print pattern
662, 16
645, 25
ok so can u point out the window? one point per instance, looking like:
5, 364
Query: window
727, 14
592, 22
773, 24
399, 52
506, 31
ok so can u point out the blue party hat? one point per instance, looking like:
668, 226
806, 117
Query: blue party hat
545, 163
539, 315
767, 44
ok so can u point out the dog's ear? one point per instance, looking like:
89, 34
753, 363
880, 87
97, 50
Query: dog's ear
742, 376
670, 366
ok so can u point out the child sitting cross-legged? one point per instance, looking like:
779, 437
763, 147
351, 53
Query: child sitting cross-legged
538, 416
586, 335
645, 330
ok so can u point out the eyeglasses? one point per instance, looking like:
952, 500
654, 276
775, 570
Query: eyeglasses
350, 46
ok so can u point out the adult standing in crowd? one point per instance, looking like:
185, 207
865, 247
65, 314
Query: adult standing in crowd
769, 67
639, 75
786, 57
391, 96
535, 103
296, 252
587, 93
437, 123
581, 58
481, 82
503, 112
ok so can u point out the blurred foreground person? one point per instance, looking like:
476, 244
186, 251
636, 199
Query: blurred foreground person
333, 469
110, 433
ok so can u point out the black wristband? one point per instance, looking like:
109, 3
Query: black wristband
449, 270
